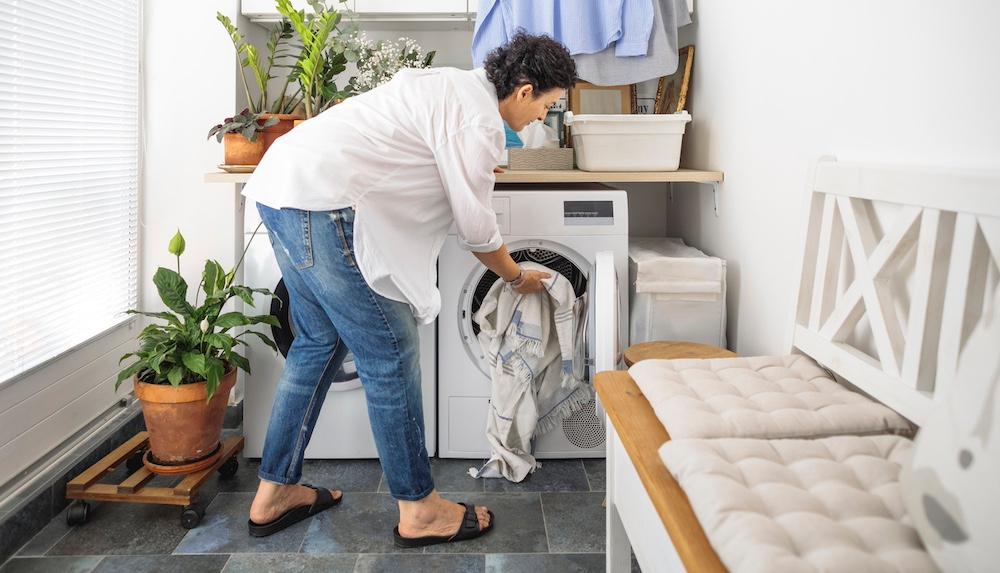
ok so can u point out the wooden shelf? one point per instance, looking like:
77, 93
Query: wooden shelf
569, 176
577, 176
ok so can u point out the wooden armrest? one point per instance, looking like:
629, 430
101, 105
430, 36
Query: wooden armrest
672, 350
642, 434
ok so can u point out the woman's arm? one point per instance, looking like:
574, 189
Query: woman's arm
500, 262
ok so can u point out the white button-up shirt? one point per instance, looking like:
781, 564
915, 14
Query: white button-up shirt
412, 157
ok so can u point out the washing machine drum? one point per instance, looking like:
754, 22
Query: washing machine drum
346, 377
602, 318
551, 259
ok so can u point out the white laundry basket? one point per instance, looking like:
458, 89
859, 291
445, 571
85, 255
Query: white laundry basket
676, 292
622, 142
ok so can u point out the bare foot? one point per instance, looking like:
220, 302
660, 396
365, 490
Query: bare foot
435, 516
273, 499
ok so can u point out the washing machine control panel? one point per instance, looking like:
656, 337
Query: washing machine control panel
588, 212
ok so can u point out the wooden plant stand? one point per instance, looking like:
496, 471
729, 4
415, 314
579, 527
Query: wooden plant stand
133, 488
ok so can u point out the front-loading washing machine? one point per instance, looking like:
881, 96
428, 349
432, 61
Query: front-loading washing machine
580, 231
342, 430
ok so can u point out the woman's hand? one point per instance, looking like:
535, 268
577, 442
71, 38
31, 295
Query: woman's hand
531, 282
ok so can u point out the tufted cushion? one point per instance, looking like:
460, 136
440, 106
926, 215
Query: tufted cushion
831, 504
758, 397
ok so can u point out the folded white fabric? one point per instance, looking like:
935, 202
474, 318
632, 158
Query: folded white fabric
535, 366
829, 505
667, 265
758, 397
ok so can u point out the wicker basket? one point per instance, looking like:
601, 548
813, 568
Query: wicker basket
541, 158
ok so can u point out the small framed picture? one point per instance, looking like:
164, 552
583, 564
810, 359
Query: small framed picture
554, 119
672, 91
588, 98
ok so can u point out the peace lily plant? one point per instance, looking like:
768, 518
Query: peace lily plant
186, 365
195, 342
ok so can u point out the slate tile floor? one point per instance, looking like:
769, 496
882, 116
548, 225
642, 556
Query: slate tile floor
551, 522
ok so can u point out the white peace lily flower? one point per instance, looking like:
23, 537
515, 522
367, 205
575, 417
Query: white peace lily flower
204, 325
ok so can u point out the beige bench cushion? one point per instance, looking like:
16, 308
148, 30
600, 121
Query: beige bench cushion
831, 504
758, 397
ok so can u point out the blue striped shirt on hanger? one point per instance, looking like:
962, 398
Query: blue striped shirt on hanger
583, 26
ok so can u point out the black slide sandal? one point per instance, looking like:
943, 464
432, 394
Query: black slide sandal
324, 501
468, 530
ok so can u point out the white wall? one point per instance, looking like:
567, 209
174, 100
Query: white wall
777, 85
190, 85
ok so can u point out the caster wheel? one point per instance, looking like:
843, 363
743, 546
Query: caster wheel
134, 461
190, 517
78, 513
229, 468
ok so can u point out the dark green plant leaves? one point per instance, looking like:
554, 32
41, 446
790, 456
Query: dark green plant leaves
214, 369
263, 337
195, 362
175, 375
173, 290
130, 371
240, 361
212, 278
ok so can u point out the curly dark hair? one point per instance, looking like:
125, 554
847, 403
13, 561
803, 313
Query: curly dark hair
525, 59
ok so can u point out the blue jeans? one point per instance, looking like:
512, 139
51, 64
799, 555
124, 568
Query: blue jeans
334, 310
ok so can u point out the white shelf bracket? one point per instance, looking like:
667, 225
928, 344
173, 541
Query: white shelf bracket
715, 198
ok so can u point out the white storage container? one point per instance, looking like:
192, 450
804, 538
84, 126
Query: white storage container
622, 142
676, 292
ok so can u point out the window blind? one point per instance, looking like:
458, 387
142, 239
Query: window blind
69, 174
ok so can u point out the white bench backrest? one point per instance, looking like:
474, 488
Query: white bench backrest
912, 281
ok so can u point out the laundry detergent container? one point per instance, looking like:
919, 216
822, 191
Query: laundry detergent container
676, 292
622, 142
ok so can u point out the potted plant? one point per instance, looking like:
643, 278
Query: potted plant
282, 108
186, 365
242, 136
321, 57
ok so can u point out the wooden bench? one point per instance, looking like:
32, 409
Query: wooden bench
939, 215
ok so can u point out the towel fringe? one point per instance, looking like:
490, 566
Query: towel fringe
577, 400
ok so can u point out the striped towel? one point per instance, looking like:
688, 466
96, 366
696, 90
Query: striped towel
536, 367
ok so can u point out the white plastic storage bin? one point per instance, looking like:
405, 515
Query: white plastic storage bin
621, 142
676, 292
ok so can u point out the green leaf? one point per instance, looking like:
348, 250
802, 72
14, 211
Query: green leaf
168, 316
173, 290
214, 369
261, 336
154, 362
245, 293
195, 361
231, 319
175, 375
210, 276
223, 341
264, 319
240, 361
132, 370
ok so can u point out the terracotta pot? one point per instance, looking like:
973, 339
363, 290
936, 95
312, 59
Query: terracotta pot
241, 151
286, 121
184, 427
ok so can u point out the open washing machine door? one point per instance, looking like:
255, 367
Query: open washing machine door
603, 337
604, 343
346, 377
